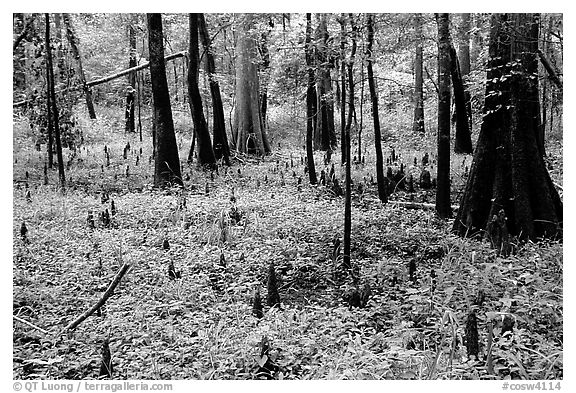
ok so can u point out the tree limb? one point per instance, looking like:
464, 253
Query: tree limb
23, 34
550, 69
432, 80
109, 292
110, 77
129, 70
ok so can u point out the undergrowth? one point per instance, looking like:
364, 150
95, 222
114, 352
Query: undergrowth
201, 325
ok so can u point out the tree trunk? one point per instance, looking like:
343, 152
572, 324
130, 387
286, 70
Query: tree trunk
508, 174
418, 125
205, 153
167, 162
361, 128
74, 45
49, 117
463, 140
247, 133
351, 86
60, 67
443, 173
310, 103
477, 39
382, 192
348, 199
54, 111
220, 142
21, 28
464, 59
264, 77
343, 90
325, 137
129, 115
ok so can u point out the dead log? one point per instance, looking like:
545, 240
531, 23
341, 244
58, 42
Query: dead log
133, 69
417, 206
107, 78
29, 324
109, 292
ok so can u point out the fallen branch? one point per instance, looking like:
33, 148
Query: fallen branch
109, 292
29, 324
417, 205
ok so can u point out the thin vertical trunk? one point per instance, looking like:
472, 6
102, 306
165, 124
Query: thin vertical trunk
205, 153
60, 68
49, 106
443, 173
464, 59
167, 163
129, 115
361, 128
418, 125
343, 89
74, 45
477, 39
382, 192
139, 88
348, 198
351, 83
220, 142
54, 111
310, 102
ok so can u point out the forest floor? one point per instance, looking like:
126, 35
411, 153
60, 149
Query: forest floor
201, 326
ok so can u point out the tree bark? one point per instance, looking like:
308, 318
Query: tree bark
443, 172
220, 141
129, 115
54, 111
508, 173
418, 125
247, 133
463, 140
382, 192
205, 153
74, 45
310, 102
167, 163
